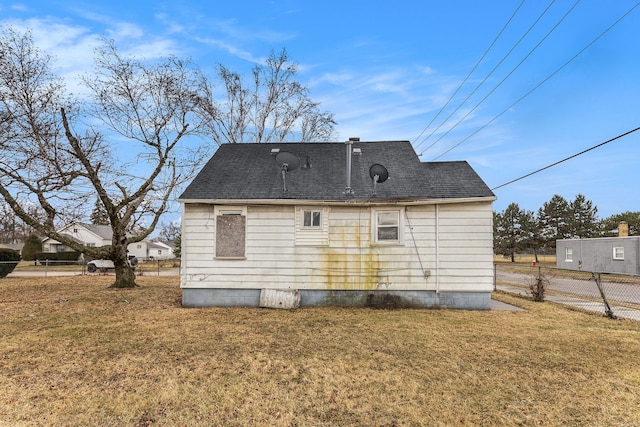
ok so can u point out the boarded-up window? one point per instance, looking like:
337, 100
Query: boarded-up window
230, 236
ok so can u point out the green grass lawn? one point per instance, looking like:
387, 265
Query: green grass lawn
73, 352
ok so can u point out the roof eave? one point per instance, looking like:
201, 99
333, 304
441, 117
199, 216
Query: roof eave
367, 202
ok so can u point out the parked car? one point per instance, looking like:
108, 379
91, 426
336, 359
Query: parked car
107, 264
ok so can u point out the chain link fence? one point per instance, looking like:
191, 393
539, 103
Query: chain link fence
47, 268
614, 295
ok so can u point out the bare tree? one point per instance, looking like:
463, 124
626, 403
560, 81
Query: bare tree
272, 107
54, 150
170, 231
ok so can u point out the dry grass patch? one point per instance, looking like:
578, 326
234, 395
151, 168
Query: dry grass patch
74, 352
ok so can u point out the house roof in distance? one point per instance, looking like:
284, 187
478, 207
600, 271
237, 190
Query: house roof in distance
251, 172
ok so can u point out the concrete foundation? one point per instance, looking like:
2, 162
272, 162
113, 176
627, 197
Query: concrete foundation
206, 297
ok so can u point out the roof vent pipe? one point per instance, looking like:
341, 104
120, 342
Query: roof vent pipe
349, 143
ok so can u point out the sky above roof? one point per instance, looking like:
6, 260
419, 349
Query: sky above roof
509, 86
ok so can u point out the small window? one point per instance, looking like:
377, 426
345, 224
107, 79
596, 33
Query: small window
618, 253
312, 218
568, 254
387, 226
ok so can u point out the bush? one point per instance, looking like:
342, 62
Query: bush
70, 257
32, 246
6, 264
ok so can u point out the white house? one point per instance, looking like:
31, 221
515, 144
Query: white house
93, 235
90, 235
323, 222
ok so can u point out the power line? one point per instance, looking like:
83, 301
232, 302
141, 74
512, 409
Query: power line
513, 70
542, 82
484, 80
467, 77
568, 158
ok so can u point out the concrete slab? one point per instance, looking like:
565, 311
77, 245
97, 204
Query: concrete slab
499, 305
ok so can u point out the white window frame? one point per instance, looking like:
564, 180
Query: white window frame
568, 254
311, 213
618, 253
311, 235
375, 212
231, 210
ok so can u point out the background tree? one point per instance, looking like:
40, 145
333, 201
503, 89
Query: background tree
509, 234
583, 220
170, 231
99, 215
553, 218
531, 234
177, 246
31, 247
271, 107
609, 225
46, 159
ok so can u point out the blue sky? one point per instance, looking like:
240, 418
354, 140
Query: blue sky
386, 68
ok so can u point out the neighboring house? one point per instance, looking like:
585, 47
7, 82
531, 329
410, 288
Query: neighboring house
308, 219
150, 249
601, 255
92, 235
13, 246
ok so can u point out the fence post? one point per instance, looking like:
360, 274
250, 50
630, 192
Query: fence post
46, 267
495, 286
607, 308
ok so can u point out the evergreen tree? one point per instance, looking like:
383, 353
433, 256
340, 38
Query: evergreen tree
583, 222
609, 225
509, 235
99, 214
31, 247
177, 251
554, 218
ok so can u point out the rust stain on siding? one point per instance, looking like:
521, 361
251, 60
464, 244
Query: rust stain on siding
348, 264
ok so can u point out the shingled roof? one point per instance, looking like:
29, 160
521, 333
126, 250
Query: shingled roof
251, 172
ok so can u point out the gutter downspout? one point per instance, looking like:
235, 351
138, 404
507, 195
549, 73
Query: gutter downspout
437, 249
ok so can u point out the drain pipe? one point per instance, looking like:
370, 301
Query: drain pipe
437, 249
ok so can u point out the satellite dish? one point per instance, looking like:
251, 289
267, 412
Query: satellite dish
380, 171
287, 162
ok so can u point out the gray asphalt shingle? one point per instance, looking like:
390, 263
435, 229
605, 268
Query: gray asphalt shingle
250, 172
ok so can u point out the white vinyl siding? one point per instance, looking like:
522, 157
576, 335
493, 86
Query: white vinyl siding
343, 255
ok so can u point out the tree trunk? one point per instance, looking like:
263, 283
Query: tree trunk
125, 277
125, 274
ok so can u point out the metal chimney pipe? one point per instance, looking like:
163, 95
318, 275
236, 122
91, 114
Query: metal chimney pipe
349, 144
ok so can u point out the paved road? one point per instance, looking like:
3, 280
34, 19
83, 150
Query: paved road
578, 293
